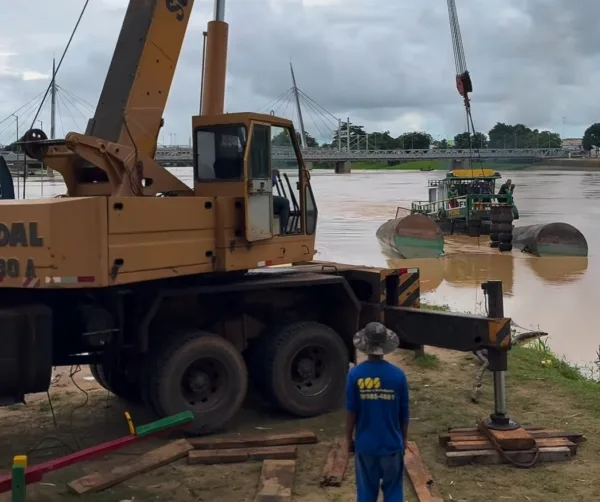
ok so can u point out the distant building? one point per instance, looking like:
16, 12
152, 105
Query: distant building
572, 144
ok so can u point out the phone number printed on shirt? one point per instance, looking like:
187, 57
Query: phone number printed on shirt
370, 388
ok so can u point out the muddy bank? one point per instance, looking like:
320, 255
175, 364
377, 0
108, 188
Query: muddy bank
550, 396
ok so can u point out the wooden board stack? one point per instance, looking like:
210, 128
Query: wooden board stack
469, 446
276, 451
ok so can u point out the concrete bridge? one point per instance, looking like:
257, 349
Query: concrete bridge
341, 159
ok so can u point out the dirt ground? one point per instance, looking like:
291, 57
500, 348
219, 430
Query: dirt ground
440, 397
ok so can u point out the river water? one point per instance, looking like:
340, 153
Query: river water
551, 294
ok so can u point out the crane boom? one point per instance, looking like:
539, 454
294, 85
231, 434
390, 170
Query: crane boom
137, 85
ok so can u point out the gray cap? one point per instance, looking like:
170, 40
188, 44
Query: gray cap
375, 339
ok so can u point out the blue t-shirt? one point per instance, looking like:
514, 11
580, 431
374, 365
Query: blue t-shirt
377, 391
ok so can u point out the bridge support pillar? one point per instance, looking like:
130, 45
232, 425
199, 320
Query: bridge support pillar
461, 164
308, 166
343, 167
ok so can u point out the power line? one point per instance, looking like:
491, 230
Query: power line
52, 82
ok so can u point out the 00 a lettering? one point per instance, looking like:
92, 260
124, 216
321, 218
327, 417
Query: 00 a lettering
370, 388
11, 268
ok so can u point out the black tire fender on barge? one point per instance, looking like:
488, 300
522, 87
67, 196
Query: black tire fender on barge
201, 372
300, 367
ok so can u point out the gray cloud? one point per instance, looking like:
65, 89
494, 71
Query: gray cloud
387, 65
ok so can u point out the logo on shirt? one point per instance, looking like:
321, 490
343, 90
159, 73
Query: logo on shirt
369, 383
370, 388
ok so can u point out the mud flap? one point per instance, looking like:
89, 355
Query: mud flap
7, 187
460, 332
26, 356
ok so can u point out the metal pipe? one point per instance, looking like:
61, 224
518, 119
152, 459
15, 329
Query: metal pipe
500, 392
219, 10
213, 100
204, 34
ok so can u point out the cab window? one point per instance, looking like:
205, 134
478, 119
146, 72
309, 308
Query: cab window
219, 153
286, 175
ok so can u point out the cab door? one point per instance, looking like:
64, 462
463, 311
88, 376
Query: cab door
259, 185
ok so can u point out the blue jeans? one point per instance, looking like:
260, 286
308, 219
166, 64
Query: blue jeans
373, 471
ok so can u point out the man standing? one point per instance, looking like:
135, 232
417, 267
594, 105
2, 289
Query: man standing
281, 206
377, 416
506, 189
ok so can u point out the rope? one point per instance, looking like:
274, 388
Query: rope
492, 439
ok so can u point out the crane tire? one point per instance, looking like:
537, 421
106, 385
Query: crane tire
301, 368
119, 385
200, 372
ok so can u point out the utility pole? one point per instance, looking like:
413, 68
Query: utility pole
339, 135
53, 102
348, 133
367, 142
17, 152
49, 171
297, 96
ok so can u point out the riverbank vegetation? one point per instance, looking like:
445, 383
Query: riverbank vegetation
356, 137
422, 165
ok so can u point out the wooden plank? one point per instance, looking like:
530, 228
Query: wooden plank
491, 457
230, 456
98, 481
255, 441
517, 439
273, 453
574, 437
487, 445
276, 481
475, 430
335, 465
420, 477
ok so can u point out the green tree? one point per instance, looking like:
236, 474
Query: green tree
480, 140
462, 140
591, 137
356, 132
382, 141
547, 139
414, 141
520, 136
466, 140
310, 141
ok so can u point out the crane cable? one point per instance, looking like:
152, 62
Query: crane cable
460, 63
54, 78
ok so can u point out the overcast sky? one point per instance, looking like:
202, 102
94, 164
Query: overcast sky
387, 64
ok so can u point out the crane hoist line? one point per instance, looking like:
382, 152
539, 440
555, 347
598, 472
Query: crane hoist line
168, 292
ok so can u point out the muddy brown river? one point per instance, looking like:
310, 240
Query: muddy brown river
551, 294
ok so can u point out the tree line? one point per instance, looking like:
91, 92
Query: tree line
500, 136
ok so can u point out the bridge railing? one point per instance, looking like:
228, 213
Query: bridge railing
331, 154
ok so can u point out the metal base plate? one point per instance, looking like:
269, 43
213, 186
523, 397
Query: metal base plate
501, 423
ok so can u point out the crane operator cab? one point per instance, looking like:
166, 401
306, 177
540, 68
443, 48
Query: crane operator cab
252, 165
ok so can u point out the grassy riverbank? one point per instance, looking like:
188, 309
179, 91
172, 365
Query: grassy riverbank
542, 391
428, 165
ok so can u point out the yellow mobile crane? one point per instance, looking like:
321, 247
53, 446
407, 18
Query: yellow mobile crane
155, 284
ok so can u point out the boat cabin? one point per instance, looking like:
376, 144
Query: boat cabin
462, 182
454, 195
